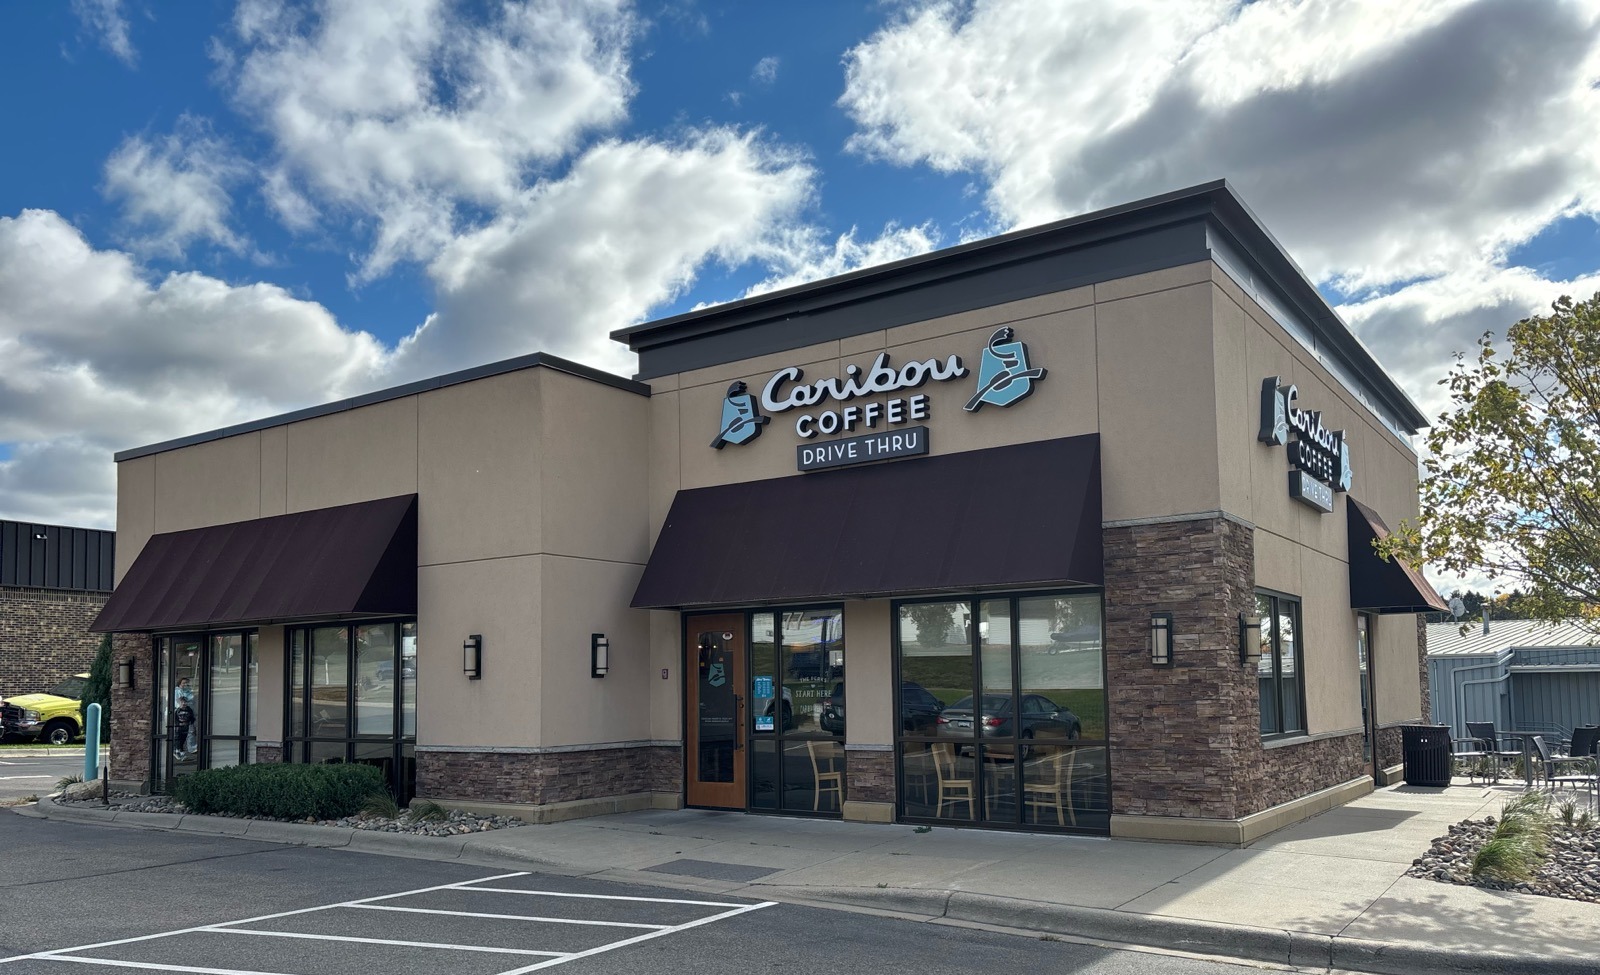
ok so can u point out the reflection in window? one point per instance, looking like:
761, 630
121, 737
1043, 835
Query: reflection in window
935, 657
1060, 658
1279, 672
797, 681
375, 680
1002, 711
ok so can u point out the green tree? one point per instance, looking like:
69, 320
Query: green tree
98, 688
1511, 486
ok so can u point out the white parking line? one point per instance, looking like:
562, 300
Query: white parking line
387, 941
643, 937
599, 897
510, 917
12, 778
549, 958
151, 966
250, 920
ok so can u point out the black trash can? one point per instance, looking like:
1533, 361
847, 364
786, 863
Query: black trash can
1425, 749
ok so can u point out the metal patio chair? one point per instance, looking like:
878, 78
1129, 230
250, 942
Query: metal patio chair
1552, 767
1490, 743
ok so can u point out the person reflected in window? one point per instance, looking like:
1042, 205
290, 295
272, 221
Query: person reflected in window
183, 720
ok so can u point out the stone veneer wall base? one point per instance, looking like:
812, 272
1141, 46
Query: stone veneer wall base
1238, 832
558, 812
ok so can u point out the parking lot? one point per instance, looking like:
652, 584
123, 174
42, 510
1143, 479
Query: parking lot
35, 775
498, 924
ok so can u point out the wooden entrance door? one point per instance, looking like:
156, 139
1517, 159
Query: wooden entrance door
715, 679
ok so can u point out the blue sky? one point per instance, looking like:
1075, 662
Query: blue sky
215, 212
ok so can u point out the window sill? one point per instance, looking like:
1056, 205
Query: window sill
1302, 738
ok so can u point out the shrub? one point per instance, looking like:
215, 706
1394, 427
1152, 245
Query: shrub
426, 810
381, 805
281, 791
1520, 839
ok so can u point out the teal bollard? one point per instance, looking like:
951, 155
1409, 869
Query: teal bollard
91, 743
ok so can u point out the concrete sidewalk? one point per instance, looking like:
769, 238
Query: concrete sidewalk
1327, 893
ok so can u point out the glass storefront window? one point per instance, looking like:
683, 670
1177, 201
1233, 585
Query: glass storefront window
796, 706
252, 684
375, 680
935, 661
226, 684
1002, 704
330, 682
408, 680
352, 696
1060, 662
297, 684
767, 714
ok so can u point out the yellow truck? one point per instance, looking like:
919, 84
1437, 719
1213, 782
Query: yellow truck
54, 717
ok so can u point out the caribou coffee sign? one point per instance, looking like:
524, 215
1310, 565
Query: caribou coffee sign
1319, 458
880, 427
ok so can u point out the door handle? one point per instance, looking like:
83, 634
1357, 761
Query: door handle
738, 722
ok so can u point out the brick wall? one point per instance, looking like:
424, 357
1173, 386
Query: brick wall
549, 777
131, 708
44, 636
1182, 735
869, 776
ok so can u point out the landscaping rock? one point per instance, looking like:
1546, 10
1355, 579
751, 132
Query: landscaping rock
455, 824
1571, 869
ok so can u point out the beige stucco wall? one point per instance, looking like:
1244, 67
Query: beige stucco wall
532, 531
869, 660
269, 683
1395, 657
1298, 550
1167, 368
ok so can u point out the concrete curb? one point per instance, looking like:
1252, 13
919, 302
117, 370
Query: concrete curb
1294, 948
46, 752
1279, 947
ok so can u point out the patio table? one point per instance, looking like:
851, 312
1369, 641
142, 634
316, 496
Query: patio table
1527, 751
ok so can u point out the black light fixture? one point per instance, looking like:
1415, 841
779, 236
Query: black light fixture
472, 657
125, 674
1161, 639
1249, 640
599, 655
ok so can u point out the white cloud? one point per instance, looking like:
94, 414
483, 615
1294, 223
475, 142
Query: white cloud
766, 71
100, 359
806, 256
398, 111
174, 190
1381, 142
1415, 330
110, 27
624, 231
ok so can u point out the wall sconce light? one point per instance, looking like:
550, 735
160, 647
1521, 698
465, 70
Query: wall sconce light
1161, 639
125, 674
472, 657
599, 655
1249, 640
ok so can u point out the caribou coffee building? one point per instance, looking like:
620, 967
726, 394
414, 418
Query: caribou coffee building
1068, 529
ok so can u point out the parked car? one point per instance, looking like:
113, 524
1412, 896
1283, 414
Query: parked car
54, 716
996, 717
919, 710
385, 669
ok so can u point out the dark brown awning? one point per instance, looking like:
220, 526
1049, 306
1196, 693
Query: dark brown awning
1001, 517
355, 559
1377, 586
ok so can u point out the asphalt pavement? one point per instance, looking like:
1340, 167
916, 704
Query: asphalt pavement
29, 775
80, 899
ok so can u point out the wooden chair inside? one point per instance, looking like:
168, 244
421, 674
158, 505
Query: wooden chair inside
827, 772
954, 788
1053, 789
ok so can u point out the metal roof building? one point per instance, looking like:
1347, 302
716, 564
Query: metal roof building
1526, 675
